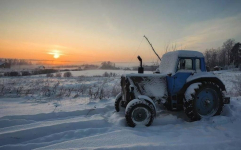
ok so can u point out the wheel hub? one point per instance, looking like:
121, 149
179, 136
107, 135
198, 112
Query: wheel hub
139, 114
207, 102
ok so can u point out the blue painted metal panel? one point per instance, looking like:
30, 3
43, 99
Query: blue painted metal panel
179, 81
203, 66
174, 84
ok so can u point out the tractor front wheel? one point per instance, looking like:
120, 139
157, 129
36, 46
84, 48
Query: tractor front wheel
205, 101
139, 113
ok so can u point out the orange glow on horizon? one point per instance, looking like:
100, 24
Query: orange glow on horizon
66, 54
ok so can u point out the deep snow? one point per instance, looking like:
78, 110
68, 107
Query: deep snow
84, 123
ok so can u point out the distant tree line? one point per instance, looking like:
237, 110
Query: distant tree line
16, 61
108, 65
89, 66
228, 54
28, 73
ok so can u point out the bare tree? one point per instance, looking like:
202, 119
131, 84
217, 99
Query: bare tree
227, 46
174, 47
211, 57
167, 47
222, 57
235, 55
207, 55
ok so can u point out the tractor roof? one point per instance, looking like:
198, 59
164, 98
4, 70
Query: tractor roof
185, 53
169, 60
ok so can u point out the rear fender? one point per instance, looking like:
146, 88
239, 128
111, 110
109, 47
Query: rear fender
203, 79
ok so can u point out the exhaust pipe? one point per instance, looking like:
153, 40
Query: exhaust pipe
140, 69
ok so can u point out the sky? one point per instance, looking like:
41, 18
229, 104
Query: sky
87, 31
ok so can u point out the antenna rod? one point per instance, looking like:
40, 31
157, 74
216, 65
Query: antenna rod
152, 47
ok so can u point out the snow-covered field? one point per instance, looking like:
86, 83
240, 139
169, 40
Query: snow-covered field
78, 113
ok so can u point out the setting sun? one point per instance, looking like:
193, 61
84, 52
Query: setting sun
56, 53
56, 56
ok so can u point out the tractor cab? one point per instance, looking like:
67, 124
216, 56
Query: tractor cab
179, 65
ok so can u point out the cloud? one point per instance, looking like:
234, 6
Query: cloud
210, 33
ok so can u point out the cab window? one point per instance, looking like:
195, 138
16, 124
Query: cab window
184, 64
198, 64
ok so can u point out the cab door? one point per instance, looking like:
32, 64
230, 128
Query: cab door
184, 69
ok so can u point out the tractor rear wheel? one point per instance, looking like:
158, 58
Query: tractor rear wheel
205, 102
118, 100
139, 113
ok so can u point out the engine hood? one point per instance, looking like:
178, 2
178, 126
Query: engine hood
151, 85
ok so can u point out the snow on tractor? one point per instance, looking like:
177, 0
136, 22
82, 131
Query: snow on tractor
182, 83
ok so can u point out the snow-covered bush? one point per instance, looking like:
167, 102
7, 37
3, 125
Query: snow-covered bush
81, 78
116, 90
58, 74
40, 88
26, 73
49, 75
14, 73
2, 87
238, 85
68, 74
6, 74
106, 74
111, 74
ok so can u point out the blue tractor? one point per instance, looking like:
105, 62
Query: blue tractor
180, 83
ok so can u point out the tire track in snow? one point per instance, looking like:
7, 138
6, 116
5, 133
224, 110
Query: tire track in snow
33, 132
46, 124
56, 138
8, 121
65, 122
